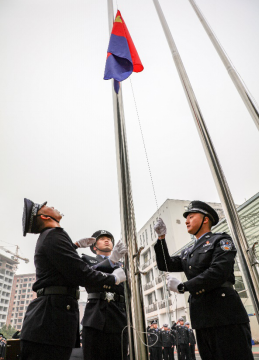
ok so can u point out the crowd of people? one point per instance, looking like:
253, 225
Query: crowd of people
162, 341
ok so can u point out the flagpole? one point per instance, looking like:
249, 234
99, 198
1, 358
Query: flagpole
252, 107
246, 256
133, 288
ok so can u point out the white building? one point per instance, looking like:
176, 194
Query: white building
158, 305
7, 271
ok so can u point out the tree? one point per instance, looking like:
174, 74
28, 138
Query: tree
7, 331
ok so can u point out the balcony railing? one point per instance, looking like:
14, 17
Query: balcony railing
159, 279
154, 258
146, 264
162, 304
151, 308
149, 285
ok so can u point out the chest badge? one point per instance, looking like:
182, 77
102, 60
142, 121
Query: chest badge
226, 245
207, 243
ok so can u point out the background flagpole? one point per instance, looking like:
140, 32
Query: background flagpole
252, 107
247, 258
133, 288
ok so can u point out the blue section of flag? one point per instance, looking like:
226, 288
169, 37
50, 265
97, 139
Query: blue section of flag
119, 46
119, 63
116, 85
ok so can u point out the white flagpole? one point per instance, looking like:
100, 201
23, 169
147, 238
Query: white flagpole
133, 287
252, 107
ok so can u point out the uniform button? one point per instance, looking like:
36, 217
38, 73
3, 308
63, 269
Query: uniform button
104, 286
223, 294
203, 290
68, 307
200, 291
109, 287
197, 293
192, 255
190, 267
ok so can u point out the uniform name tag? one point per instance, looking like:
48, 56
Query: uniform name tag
93, 261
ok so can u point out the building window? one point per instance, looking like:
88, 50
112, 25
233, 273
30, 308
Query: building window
151, 232
146, 236
143, 237
140, 240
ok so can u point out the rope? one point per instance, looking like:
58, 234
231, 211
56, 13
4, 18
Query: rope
137, 332
144, 145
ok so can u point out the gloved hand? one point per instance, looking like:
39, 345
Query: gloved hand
160, 227
119, 250
120, 275
172, 283
83, 243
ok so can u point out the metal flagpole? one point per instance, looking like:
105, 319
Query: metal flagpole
252, 107
133, 288
247, 256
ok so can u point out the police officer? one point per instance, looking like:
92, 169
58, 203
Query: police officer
167, 343
105, 312
182, 339
155, 339
51, 324
216, 310
192, 340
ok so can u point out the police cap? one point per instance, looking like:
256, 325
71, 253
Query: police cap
30, 210
154, 322
203, 208
180, 319
187, 323
165, 325
99, 234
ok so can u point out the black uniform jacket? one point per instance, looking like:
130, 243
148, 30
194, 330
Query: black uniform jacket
167, 337
208, 265
154, 337
181, 333
54, 319
192, 340
100, 314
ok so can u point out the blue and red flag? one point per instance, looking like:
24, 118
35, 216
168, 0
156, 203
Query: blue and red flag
122, 57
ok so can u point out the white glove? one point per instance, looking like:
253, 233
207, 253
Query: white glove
119, 250
83, 243
172, 283
119, 275
160, 227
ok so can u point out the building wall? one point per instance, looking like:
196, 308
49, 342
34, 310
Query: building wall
21, 296
7, 270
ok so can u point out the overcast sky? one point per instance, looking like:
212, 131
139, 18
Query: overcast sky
57, 129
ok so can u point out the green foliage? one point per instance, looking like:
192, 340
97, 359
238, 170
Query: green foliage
7, 331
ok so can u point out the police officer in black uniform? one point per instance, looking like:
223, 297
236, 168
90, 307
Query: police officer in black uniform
155, 339
192, 340
182, 340
105, 313
216, 310
168, 343
51, 324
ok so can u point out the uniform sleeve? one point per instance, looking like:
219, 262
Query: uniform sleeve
220, 269
173, 263
60, 252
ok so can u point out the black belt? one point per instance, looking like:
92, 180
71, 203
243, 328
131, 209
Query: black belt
107, 296
227, 284
59, 290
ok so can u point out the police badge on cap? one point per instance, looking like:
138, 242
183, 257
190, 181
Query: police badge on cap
30, 210
203, 208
